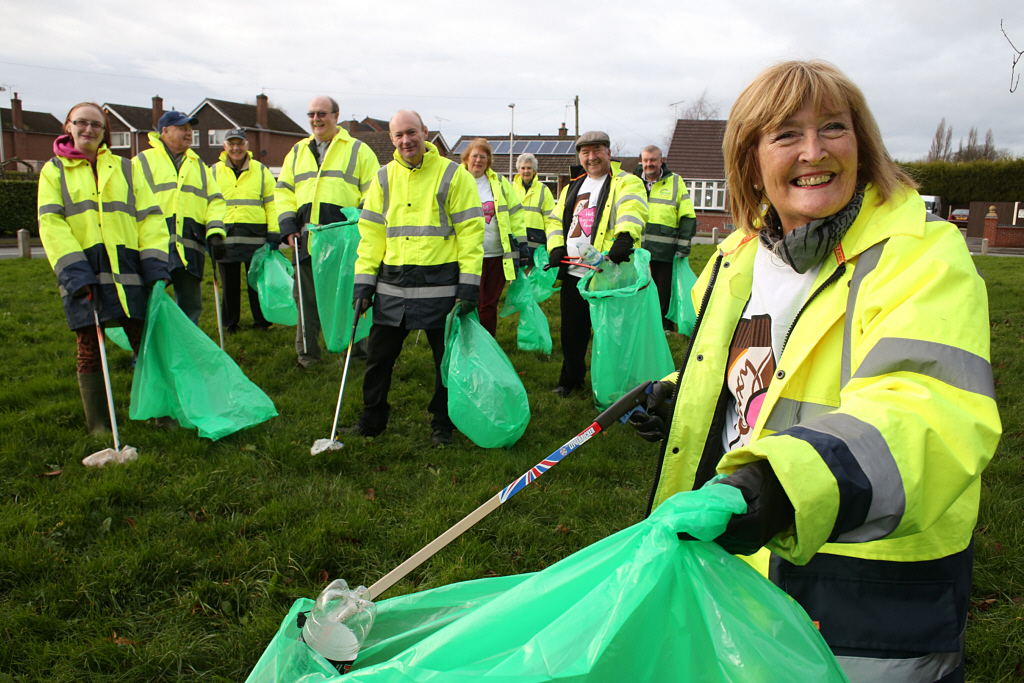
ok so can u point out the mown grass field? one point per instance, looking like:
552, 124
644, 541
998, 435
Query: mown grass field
180, 566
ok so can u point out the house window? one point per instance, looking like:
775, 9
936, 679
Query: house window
195, 138
707, 194
118, 140
215, 138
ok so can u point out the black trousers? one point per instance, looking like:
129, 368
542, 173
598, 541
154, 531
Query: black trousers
661, 274
575, 333
231, 306
384, 346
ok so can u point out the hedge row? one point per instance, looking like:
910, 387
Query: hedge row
975, 181
18, 207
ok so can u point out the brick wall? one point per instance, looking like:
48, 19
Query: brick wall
707, 221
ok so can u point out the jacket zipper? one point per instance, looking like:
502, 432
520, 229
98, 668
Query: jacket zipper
838, 273
679, 381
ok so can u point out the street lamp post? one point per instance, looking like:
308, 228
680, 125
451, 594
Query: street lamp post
511, 140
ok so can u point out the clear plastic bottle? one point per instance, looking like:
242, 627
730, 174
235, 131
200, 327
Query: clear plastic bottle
339, 622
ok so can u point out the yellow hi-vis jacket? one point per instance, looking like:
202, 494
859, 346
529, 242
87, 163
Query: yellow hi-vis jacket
537, 203
310, 194
878, 422
422, 241
671, 220
623, 209
189, 199
104, 230
508, 211
249, 199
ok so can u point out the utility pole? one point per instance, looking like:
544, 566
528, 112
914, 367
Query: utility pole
577, 117
511, 139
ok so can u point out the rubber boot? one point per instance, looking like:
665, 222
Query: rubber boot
94, 400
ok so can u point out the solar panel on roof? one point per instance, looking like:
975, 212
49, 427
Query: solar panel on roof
499, 147
461, 147
534, 147
547, 147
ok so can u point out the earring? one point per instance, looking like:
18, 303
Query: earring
756, 187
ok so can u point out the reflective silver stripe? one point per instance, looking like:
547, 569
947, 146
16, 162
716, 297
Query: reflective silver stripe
147, 172
284, 216
500, 208
554, 233
187, 243
949, 364
686, 195
269, 199
51, 208
244, 202
371, 217
472, 212
927, 669
684, 243
116, 207
393, 231
416, 292
157, 254
656, 200
362, 279
215, 225
869, 449
628, 219
347, 177
244, 240
217, 195
866, 263
629, 197
510, 254
650, 237
786, 412
364, 186
469, 279
303, 177
197, 191
442, 196
73, 208
67, 260
533, 209
282, 185
120, 278
382, 177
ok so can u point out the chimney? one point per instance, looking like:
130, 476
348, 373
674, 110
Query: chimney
353, 126
158, 111
17, 123
563, 132
261, 111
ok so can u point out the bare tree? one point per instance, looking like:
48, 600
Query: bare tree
942, 143
1016, 58
702, 109
976, 151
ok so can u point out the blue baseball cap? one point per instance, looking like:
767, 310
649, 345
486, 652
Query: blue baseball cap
175, 118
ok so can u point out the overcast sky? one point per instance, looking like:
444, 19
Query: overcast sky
460, 63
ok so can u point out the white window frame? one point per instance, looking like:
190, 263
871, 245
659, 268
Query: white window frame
116, 135
699, 190
195, 138
215, 136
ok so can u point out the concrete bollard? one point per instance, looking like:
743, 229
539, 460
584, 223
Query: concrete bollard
24, 244
714, 236
984, 247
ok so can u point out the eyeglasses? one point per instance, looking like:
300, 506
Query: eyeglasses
319, 114
83, 124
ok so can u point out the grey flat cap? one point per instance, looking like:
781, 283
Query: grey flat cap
236, 133
593, 137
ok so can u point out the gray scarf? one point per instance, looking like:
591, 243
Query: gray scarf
808, 245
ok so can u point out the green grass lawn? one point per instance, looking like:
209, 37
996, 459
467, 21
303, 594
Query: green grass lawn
180, 566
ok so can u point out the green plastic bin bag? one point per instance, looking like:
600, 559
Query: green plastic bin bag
639, 606
680, 306
270, 274
333, 250
629, 341
486, 399
542, 280
532, 332
117, 337
181, 373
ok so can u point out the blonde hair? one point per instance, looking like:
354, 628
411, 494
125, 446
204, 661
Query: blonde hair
775, 95
477, 143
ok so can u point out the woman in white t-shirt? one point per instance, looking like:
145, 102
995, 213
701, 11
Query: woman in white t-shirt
505, 244
839, 375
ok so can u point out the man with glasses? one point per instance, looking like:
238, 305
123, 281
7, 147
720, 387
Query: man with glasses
321, 175
191, 202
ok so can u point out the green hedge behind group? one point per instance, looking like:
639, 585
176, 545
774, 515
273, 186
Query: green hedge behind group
974, 181
18, 207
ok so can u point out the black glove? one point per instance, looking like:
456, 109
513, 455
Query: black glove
653, 425
217, 247
91, 291
622, 247
556, 256
361, 306
768, 510
467, 306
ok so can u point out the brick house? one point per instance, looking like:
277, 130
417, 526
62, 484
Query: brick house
374, 132
27, 136
130, 125
270, 131
556, 154
695, 153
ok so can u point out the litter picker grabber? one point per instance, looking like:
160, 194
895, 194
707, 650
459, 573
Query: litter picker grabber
620, 410
115, 454
216, 301
332, 444
298, 283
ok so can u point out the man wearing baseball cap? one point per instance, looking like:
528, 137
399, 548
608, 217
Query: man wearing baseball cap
190, 200
603, 206
248, 189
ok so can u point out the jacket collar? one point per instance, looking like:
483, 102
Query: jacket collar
156, 143
429, 155
227, 162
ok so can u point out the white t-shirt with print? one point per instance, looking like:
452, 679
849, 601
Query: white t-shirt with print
492, 237
581, 230
777, 294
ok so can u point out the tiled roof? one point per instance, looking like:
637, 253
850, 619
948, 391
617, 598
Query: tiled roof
244, 116
548, 164
695, 152
33, 122
380, 142
139, 118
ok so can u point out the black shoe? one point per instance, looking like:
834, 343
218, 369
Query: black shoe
562, 391
231, 329
440, 438
262, 326
359, 430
